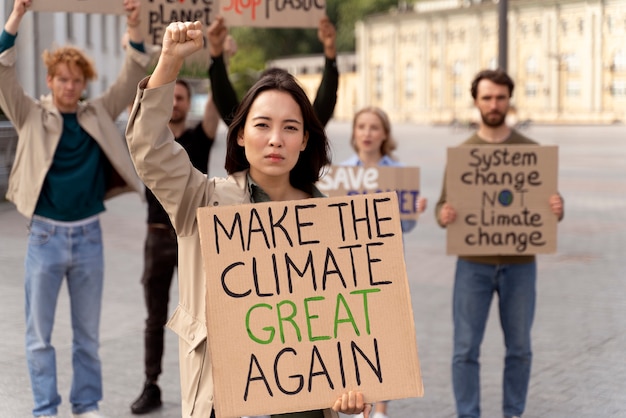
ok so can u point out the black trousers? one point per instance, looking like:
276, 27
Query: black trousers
160, 260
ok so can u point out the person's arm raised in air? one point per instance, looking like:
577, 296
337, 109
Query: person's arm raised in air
224, 94
326, 98
211, 118
13, 99
116, 98
181, 40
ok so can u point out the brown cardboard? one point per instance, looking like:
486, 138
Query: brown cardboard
79, 6
273, 13
376, 319
350, 180
494, 214
158, 14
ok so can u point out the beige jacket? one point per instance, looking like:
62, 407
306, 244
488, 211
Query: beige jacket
39, 125
165, 168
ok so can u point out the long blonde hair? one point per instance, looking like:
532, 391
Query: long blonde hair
389, 144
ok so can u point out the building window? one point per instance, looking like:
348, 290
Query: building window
118, 35
531, 90
88, 37
457, 68
573, 88
531, 65
572, 63
409, 81
378, 83
537, 29
581, 26
103, 32
618, 88
619, 61
69, 26
457, 91
564, 27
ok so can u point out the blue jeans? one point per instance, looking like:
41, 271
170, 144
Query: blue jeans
474, 286
58, 250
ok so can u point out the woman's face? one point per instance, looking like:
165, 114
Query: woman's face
273, 135
369, 133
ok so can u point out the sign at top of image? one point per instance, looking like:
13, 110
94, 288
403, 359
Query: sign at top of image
79, 6
501, 196
273, 13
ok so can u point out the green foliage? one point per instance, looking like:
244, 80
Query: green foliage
351, 11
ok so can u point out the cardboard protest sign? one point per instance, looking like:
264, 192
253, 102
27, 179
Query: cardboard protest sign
305, 300
501, 194
349, 180
273, 13
158, 14
79, 6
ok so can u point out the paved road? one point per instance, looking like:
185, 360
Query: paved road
579, 367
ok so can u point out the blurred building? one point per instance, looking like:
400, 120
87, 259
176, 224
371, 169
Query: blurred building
567, 57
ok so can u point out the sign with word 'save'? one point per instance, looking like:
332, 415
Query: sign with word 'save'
501, 197
352, 180
306, 300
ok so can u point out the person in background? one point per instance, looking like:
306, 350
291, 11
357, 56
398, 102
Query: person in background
161, 246
70, 158
373, 145
225, 97
477, 278
276, 149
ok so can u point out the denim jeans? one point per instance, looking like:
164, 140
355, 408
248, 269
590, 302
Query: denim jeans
474, 286
58, 250
160, 260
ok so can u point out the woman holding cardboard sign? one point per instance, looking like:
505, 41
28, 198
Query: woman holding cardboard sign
373, 143
275, 151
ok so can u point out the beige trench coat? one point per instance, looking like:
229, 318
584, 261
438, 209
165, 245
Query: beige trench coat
39, 125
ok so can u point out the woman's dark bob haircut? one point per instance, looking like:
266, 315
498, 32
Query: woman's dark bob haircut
317, 152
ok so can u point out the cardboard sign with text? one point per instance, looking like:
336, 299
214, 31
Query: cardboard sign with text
501, 196
273, 13
79, 6
350, 180
306, 300
158, 14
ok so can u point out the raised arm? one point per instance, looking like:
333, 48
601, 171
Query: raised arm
224, 94
13, 99
133, 14
326, 98
15, 18
181, 39
211, 118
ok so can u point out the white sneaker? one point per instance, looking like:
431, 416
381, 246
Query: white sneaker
89, 414
379, 415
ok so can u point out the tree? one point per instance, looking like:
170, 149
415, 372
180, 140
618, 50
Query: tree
256, 46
